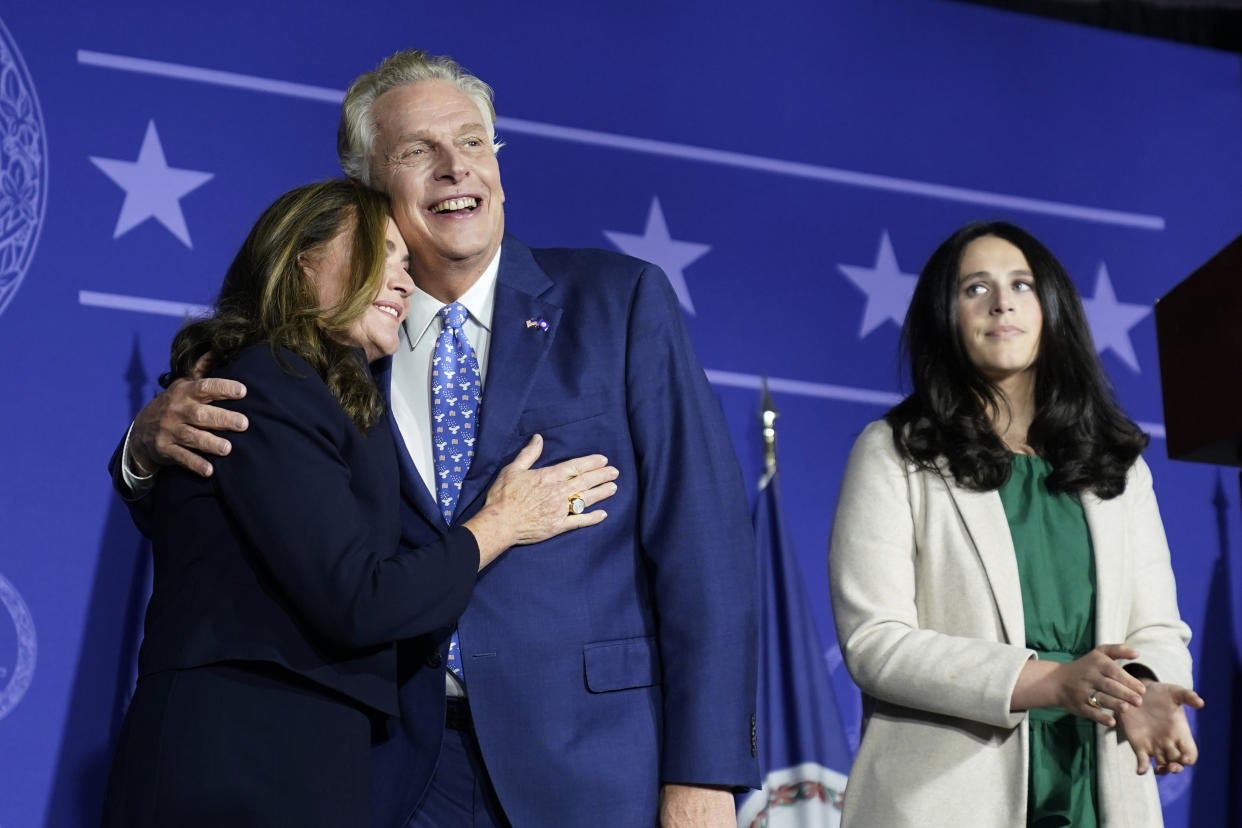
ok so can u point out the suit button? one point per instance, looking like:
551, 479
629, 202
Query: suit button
434, 660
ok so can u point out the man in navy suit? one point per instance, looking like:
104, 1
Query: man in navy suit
608, 675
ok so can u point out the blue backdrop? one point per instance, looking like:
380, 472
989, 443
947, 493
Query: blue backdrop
790, 165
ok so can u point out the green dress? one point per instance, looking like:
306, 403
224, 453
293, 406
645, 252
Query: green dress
1057, 571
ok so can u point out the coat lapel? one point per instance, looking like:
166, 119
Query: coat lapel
516, 352
413, 489
1104, 522
985, 522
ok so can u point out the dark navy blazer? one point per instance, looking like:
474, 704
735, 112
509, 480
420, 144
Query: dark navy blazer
608, 660
289, 553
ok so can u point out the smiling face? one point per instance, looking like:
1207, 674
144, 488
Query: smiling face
998, 312
433, 156
376, 331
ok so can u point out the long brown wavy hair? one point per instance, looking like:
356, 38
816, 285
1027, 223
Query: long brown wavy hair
268, 297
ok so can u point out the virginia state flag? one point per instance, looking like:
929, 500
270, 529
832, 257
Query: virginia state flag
802, 746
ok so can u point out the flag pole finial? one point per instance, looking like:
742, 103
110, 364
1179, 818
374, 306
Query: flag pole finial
767, 417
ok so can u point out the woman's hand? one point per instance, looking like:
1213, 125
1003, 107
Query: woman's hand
1095, 676
1158, 731
526, 505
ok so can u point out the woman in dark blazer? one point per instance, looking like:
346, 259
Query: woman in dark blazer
279, 587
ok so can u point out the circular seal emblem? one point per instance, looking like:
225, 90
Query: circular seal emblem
23, 168
803, 795
16, 672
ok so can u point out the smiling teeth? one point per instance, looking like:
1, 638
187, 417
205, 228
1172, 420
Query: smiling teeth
453, 204
390, 311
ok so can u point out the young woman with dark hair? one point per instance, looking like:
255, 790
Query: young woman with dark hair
999, 572
1077, 425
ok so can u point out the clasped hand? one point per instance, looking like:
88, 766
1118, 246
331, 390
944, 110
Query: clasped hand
1158, 730
1150, 713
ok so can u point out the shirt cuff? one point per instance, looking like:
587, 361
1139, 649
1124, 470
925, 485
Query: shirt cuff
136, 485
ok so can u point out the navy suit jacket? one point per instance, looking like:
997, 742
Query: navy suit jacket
288, 554
605, 661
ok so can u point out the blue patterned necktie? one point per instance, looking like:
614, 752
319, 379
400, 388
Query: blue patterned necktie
456, 387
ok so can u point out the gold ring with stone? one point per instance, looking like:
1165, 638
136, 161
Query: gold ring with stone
576, 504
1093, 701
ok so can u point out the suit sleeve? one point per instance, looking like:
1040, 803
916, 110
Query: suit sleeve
874, 588
696, 535
287, 488
1156, 629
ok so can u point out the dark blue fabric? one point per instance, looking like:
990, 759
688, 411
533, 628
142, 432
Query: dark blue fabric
613, 373
287, 558
288, 553
243, 745
460, 794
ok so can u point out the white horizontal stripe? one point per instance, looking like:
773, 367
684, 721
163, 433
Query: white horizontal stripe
161, 307
835, 175
825, 391
870, 181
805, 389
214, 77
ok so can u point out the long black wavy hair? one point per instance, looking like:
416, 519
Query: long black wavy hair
1078, 426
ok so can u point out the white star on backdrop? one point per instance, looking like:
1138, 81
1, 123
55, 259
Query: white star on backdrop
888, 289
655, 245
1111, 320
152, 188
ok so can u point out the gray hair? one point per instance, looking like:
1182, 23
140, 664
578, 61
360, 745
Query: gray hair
355, 137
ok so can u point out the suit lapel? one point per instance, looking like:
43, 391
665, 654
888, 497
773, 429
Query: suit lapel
413, 489
985, 522
1107, 542
516, 352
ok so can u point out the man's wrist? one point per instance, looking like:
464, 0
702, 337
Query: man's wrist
130, 464
136, 479
136, 468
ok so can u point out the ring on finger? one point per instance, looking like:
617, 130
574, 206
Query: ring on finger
576, 504
1093, 701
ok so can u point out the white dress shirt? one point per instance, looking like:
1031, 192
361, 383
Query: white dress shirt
411, 376
411, 364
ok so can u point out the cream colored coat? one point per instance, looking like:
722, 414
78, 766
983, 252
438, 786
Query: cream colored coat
928, 610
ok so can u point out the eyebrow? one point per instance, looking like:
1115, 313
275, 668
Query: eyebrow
410, 137
390, 246
1017, 272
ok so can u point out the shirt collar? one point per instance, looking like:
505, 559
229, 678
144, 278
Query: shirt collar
480, 301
